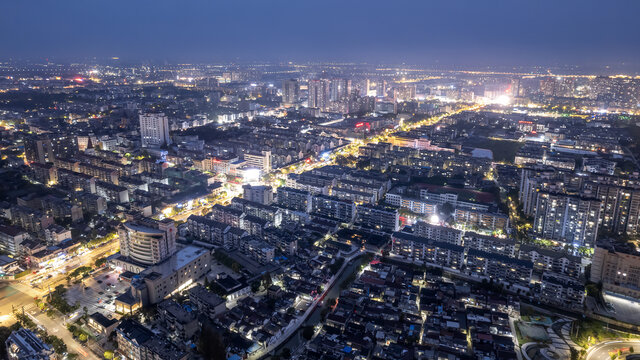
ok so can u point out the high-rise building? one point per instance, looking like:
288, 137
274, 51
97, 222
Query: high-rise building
154, 129
38, 150
147, 241
339, 89
571, 219
290, 91
318, 94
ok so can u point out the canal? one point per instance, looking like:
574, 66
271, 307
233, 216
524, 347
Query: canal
316, 316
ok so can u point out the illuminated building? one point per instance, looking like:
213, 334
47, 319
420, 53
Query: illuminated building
23, 344
318, 94
290, 92
571, 219
147, 241
259, 194
154, 130
259, 160
617, 267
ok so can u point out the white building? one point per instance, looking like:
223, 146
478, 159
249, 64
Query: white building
147, 241
154, 129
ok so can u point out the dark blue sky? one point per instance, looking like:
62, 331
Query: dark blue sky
458, 32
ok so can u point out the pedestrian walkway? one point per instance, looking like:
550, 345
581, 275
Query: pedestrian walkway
558, 345
566, 335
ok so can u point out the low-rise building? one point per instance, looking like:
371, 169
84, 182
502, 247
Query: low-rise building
207, 303
421, 249
23, 344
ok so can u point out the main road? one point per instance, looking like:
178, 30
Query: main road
603, 351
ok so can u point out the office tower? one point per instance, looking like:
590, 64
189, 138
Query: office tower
290, 92
148, 241
318, 94
154, 129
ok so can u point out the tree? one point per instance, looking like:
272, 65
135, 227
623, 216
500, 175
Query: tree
56, 343
108, 355
631, 349
100, 262
307, 332
447, 209
82, 337
255, 286
210, 344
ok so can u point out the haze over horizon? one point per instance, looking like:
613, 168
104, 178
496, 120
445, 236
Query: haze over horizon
456, 33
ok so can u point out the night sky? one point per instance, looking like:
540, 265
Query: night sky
456, 32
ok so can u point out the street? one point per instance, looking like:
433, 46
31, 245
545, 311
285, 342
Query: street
603, 350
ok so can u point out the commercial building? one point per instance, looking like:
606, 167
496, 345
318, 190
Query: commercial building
155, 283
617, 266
260, 160
147, 241
23, 344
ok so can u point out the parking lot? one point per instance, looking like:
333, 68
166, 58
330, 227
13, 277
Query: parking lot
625, 310
98, 292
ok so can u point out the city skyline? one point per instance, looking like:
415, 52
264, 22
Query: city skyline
300, 180
500, 33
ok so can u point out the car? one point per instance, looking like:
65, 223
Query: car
113, 285
108, 284
101, 293
99, 281
87, 288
